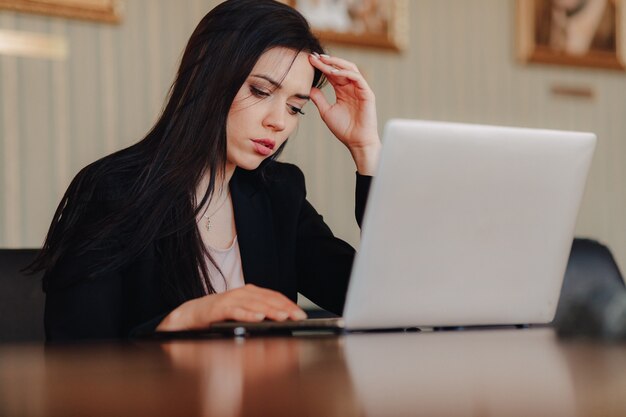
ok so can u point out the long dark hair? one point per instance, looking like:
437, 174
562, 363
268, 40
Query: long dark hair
157, 177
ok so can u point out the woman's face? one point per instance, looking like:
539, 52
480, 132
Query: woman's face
267, 107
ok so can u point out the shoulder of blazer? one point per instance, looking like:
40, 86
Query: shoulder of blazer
274, 177
98, 182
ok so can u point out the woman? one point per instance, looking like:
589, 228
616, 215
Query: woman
197, 222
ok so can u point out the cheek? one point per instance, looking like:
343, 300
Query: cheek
290, 129
233, 127
236, 121
238, 108
244, 111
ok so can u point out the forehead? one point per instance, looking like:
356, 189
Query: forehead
290, 68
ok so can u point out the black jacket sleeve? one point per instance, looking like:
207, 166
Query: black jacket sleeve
82, 304
324, 262
114, 305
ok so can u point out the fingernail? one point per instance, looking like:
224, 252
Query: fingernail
281, 315
259, 316
325, 55
315, 55
334, 70
300, 315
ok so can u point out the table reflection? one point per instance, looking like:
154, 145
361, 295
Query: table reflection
466, 373
269, 376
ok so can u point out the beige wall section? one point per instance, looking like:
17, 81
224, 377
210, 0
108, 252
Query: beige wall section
57, 116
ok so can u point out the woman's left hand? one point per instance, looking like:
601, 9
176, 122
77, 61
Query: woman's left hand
352, 118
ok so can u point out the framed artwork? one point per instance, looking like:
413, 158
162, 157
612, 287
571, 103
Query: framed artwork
98, 10
585, 33
372, 23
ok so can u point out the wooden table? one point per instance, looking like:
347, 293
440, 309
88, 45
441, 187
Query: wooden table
469, 373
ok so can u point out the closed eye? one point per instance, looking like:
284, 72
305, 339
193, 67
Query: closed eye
294, 110
257, 92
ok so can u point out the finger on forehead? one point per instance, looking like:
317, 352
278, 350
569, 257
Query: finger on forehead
342, 77
327, 68
339, 63
322, 66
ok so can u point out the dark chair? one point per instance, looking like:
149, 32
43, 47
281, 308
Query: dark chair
592, 291
21, 298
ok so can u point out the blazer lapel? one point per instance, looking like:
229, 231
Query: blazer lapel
255, 229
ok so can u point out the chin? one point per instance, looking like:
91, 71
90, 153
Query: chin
250, 164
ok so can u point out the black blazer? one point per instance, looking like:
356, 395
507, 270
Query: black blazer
284, 244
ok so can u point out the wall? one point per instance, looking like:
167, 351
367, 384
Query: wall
56, 116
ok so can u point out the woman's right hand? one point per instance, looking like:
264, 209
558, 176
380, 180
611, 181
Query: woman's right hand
249, 303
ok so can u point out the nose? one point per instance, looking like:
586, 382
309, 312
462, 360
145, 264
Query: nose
275, 117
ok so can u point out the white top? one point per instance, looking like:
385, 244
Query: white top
229, 262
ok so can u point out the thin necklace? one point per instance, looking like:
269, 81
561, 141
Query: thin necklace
208, 216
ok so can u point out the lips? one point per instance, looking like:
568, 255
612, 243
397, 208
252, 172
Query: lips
268, 143
264, 146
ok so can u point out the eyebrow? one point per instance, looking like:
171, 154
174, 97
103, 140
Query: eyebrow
278, 85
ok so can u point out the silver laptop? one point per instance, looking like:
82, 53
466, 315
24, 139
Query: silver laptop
465, 225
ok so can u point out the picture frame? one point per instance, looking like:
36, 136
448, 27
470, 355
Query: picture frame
379, 24
108, 11
588, 34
